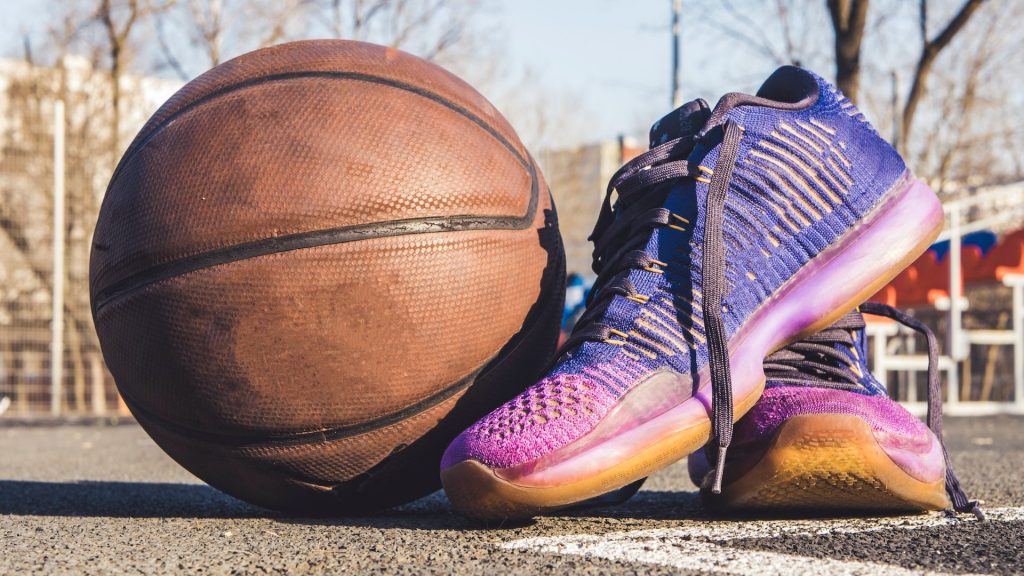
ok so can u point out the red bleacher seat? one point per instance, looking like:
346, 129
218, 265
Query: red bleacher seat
1009, 255
976, 267
926, 280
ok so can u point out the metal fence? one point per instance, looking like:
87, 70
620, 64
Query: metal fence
980, 324
57, 149
50, 359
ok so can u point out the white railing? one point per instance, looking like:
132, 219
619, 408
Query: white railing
1005, 210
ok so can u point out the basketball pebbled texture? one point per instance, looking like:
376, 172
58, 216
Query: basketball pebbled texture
315, 265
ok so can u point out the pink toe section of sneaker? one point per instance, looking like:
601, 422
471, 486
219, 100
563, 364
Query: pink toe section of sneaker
547, 416
910, 444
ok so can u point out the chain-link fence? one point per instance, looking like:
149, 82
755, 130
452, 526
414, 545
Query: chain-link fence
56, 153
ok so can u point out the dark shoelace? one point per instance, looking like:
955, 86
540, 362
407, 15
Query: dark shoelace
621, 234
819, 362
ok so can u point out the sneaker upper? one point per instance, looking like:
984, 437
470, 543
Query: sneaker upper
808, 167
827, 373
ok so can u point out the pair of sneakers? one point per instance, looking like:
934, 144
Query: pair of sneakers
728, 266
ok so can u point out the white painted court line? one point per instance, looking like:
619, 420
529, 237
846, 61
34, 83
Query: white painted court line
699, 547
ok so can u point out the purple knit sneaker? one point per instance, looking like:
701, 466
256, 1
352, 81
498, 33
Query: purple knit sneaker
826, 437
743, 229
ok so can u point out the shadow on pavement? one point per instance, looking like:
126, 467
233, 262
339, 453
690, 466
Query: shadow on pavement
671, 505
646, 505
120, 500
112, 499
432, 512
167, 500
435, 513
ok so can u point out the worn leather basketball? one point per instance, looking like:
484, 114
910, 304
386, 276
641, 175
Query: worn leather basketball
315, 265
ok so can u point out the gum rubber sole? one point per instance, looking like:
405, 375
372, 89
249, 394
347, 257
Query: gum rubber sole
859, 264
823, 463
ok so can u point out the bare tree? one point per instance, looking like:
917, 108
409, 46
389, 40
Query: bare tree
218, 29
849, 18
781, 31
274, 21
202, 23
431, 29
209, 27
938, 130
78, 67
349, 19
971, 124
117, 38
930, 49
168, 55
26, 205
198, 34
118, 19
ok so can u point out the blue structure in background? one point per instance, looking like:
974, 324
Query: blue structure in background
577, 288
983, 239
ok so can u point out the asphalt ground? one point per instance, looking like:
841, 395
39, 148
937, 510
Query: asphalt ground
101, 499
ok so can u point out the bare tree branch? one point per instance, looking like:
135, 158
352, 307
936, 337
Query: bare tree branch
165, 49
208, 17
929, 53
849, 18
758, 41
117, 35
428, 28
792, 55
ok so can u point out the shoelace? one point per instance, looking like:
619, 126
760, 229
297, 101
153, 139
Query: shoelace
621, 234
818, 360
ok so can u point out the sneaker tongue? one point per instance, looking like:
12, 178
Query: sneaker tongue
686, 120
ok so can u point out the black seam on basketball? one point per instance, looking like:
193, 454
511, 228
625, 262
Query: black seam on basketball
299, 438
139, 143
529, 324
313, 239
329, 236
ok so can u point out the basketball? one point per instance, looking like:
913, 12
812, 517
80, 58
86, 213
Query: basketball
315, 265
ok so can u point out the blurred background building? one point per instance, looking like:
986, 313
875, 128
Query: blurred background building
578, 177
580, 80
57, 150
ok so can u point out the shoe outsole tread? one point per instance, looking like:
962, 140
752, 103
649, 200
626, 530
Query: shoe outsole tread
826, 463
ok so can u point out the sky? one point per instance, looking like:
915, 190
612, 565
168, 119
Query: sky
613, 57
609, 59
